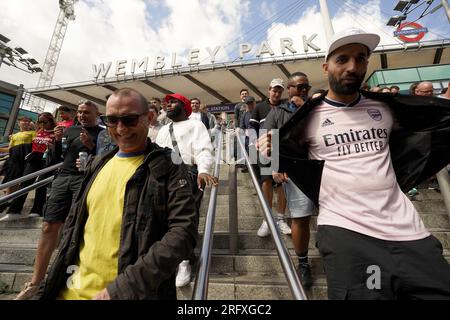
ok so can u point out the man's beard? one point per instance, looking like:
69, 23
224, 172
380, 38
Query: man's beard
176, 112
347, 89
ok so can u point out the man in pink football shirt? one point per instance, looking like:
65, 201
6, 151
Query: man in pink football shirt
373, 242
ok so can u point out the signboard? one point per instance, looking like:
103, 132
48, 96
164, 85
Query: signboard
228, 107
406, 29
146, 65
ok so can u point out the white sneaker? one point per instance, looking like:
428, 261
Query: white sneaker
184, 274
34, 215
263, 231
10, 217
284, 228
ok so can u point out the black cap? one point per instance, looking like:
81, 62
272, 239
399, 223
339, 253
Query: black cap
249, 99
64, 108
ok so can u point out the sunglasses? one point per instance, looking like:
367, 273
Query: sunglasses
302, 86
42, 121
130, 120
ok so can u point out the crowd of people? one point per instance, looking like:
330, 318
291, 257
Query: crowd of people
129, 218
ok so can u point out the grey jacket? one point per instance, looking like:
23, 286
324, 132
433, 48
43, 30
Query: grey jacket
278, 116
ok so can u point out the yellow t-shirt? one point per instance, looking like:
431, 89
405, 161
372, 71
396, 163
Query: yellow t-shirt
22, 138
98, 259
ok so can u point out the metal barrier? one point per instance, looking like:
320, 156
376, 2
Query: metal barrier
286, 262
200, 291
30, 176
25, 190
34, 186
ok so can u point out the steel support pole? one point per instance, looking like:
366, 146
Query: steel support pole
14, 112
327, 24
447, 9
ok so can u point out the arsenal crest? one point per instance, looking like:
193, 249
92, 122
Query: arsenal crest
375, 114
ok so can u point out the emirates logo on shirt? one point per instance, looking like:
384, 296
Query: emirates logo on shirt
375, 114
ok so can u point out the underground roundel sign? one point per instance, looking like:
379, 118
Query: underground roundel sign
410, 32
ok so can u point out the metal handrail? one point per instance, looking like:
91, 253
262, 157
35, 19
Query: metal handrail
286, 262
30, 176
201, 280
25, 190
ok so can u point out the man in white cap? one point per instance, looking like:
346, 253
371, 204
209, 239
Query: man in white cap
257, 120
373, 242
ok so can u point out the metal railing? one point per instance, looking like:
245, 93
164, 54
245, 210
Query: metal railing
200, 291
286, 262
30, 176
27, 189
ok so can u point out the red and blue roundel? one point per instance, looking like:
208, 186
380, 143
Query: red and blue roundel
413, 29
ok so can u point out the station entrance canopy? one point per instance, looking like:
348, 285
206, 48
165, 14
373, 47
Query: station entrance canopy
220, 83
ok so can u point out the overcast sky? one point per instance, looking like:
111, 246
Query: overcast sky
111, 30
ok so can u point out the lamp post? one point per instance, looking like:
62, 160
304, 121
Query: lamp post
408, 6
17, 57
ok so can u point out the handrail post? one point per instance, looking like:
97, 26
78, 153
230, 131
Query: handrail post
233, 209
444, 184
200, 291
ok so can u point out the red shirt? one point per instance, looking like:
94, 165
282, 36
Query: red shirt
41, 141
65, 123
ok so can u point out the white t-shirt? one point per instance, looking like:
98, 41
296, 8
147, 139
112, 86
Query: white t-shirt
196, 116
359, 189
193, 142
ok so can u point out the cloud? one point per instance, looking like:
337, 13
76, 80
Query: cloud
268, 9
115, 29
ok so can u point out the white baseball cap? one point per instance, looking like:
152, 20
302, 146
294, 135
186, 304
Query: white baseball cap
350, 36
277, 83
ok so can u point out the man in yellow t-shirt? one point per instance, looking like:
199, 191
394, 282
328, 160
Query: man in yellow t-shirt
133, 221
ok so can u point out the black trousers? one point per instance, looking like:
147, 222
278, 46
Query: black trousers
16, 205
365, 268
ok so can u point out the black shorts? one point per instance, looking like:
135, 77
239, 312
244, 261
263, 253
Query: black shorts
63, 191
362, 267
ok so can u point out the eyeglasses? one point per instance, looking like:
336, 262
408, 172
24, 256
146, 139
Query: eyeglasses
425, 91
130, 120
302, 86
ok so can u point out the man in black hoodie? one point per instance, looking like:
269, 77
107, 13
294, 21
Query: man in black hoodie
300, 207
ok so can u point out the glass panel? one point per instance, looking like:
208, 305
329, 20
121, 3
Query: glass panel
398, 76
376, 79
435, 72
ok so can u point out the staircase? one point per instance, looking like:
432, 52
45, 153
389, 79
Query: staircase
254, 273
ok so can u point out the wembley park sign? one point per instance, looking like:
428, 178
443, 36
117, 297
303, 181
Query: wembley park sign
122, 68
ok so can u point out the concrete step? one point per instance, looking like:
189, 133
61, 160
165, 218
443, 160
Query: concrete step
437, 222
248, 240
18, 235
13, 277
253, 286
19, 254
252, 241
24, 222
264, 261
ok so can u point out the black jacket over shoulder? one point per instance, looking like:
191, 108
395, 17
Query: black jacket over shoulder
159, 229
419, 144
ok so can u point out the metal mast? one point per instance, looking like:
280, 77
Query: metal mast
328, 25
66, 14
